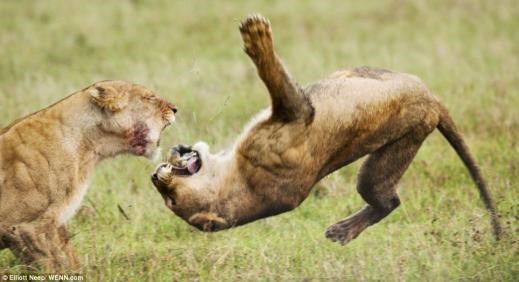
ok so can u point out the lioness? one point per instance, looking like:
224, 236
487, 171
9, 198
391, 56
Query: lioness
306, 134
47, 157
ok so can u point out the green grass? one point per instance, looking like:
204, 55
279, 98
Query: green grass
190, 52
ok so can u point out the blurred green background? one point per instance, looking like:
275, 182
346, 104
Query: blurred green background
191, 53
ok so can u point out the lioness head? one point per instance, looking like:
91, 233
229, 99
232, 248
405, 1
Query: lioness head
131, 113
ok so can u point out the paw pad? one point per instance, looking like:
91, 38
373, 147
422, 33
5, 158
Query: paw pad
257, 36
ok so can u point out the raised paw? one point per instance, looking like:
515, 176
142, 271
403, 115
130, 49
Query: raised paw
257, 37
164, 173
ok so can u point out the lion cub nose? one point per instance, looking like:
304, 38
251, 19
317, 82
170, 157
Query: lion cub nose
174, 109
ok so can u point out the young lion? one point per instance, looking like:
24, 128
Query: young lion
47, 157
305, 135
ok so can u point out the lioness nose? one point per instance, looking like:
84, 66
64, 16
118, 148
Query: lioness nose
169, 105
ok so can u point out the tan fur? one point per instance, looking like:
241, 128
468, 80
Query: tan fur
307, 134
46, 159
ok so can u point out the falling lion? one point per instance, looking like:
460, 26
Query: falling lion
305, 135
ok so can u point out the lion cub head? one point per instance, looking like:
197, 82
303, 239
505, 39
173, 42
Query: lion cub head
182, 181
131, 114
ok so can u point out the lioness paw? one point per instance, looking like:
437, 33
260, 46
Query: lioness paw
257, 36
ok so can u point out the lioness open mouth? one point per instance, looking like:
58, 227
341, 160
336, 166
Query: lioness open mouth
187, 164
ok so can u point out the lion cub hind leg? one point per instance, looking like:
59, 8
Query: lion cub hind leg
376, 184
288, 101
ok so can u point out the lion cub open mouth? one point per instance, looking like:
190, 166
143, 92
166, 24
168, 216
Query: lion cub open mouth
184, 160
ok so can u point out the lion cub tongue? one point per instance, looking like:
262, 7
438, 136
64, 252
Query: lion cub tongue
193, 165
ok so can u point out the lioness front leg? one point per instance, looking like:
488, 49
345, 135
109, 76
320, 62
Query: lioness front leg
43, 244
288, 100
3, 233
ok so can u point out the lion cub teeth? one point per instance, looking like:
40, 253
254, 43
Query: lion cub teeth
185, 161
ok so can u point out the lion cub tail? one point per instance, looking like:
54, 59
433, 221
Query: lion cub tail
448, 129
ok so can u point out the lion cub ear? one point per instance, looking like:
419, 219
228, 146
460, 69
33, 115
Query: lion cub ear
108, 98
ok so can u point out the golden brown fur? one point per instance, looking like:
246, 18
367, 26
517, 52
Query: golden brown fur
307, 134
46, 159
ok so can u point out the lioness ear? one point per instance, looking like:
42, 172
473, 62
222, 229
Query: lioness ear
108, 98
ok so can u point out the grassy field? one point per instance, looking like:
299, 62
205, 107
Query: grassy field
190, 52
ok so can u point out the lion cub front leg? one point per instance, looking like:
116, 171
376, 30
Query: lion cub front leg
288, 101
208, 221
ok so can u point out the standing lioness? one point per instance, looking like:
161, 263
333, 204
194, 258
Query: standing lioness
305, 135
46, 159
